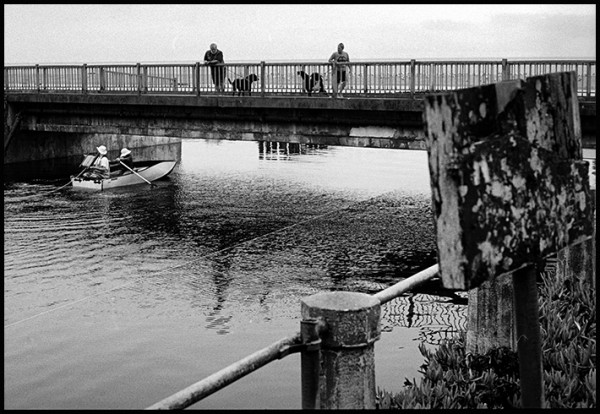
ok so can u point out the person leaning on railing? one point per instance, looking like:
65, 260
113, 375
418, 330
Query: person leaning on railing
214, 58
339, 60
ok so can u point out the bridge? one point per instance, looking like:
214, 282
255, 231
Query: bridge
381, 104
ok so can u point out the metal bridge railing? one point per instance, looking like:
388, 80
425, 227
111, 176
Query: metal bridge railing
307, 341
372, 79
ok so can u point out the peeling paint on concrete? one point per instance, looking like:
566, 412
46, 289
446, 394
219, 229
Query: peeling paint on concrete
519, 191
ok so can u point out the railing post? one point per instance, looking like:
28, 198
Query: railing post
589, 80
139, 78
37, 78
505, 70
197, 78
45, 79
347, 379
84, 82
262, 78
412, 77
145, 79
102, 76
366, 77
334, 83
6, 87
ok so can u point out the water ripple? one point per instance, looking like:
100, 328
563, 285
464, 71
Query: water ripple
214, 261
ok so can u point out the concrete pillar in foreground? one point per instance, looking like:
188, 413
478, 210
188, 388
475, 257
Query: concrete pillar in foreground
347, 377
490, 316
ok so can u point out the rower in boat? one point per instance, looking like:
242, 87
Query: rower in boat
143, 172
117, 167
100, 168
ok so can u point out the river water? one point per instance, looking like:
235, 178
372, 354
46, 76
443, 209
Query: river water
119, 299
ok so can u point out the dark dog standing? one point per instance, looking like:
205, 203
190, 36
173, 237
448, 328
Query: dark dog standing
312, 83
243, 85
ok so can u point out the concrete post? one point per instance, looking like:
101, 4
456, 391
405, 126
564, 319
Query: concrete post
529, 342
490, 316
578, 262
347, 378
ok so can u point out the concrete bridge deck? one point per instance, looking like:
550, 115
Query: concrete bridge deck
357, 121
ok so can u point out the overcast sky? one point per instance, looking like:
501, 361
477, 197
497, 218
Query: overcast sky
72, 33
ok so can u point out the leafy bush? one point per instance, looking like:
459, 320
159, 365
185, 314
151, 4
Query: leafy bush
452, 379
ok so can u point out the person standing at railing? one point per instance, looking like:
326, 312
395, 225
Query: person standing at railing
214, 58
339, 60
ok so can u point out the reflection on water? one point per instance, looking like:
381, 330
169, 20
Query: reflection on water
118, 299
285, 151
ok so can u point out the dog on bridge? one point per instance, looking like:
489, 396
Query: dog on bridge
243, 85
312, 83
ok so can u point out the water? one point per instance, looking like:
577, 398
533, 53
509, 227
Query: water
121, 298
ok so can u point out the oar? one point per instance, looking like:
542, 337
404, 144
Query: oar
127, 166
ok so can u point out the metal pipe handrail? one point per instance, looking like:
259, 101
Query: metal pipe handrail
227, 375
276, 350
407, 284
312, 62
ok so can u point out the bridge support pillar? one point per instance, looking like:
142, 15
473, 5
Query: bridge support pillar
29, 146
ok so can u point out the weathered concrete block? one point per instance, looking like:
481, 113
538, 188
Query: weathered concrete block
508, 184
347, 350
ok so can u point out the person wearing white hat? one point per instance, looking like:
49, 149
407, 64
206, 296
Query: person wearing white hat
125, 158
101, 167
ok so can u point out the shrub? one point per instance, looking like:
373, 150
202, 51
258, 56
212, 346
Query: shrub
452, 379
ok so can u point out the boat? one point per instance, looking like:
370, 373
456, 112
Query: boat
145, 172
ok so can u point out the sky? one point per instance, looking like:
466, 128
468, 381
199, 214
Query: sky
181, 33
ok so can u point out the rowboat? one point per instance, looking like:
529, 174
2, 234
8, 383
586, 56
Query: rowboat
145, 171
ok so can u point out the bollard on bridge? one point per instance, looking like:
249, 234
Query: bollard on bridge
346, 374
